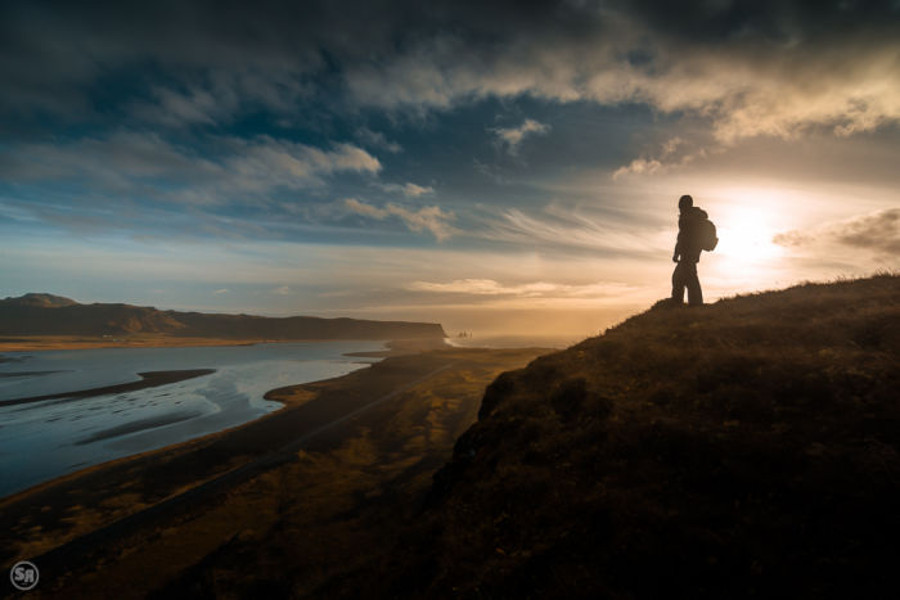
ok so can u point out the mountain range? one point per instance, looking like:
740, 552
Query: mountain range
47, 314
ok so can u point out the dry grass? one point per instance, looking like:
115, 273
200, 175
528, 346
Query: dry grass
294, 527
746, 449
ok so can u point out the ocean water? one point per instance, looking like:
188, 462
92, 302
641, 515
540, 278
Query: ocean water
43, 440
516, 341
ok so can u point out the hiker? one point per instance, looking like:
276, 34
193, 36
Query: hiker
690, 242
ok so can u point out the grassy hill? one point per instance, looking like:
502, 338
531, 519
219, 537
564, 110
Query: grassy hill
746, 449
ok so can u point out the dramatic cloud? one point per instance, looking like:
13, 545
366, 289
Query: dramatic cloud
512, 138
750, 68
429, 218
144, 163
799, 69
878, 232
194, 124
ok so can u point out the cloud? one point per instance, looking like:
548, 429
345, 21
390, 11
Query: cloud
59, 55
878, 232
282, 291
376, 139
558, 226
671, 155
146, 164
429, 218
538, 289
366, 210
220, 291
775, 69
193, 106
264, 163
747, 67
410, 190
512, 138
111, 160
639, 166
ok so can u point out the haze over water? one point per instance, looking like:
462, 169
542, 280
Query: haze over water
46, 439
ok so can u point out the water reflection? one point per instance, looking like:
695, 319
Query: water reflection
45, 439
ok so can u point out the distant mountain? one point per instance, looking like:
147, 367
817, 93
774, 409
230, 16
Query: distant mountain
39, 300
745, 449
45, 314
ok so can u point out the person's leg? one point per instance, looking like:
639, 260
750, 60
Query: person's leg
678, 284
692, 281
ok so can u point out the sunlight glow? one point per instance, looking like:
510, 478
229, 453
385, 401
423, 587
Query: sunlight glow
746, 258
746, 236
748, 221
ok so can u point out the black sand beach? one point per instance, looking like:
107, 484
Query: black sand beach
148, 379
71, 524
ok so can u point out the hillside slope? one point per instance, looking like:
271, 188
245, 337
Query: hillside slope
45, 314
746, 449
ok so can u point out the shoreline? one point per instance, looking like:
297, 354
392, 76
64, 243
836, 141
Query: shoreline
69, 523
149, 379
286, 396
292, 397
62, 342
143, 488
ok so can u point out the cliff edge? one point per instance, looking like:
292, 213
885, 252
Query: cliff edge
745, 449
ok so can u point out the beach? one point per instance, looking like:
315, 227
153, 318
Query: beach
396, 420
149, 379
70, 409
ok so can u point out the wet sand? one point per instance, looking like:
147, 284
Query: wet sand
70, 523
139, 425
148, 379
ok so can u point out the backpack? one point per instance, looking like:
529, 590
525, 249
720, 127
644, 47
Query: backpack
706, 235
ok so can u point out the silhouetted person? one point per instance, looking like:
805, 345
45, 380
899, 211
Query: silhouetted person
687, 253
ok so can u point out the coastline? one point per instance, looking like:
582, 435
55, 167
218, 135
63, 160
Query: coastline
89, 421
288, 396
77, 342
149, 379
63, 515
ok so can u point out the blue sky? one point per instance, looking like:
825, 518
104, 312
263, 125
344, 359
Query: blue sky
509, 166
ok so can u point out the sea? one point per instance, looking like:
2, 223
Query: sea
43, 440
516, 341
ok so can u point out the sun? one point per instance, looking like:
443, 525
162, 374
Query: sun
746, 236
747, 223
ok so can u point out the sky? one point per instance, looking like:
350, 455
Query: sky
492, 166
